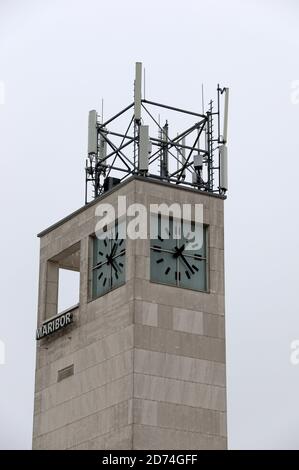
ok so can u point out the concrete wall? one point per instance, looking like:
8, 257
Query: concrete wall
149, 359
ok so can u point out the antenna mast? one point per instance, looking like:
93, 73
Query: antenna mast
112, 156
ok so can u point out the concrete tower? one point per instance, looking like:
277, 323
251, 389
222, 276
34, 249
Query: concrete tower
139, 363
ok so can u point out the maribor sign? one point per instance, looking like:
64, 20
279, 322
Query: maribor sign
56, 324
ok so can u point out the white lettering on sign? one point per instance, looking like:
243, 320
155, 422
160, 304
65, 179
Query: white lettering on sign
56, 324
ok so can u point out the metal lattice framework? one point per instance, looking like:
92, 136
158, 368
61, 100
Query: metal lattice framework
195, 157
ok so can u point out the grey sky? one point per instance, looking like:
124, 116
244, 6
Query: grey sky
57, 60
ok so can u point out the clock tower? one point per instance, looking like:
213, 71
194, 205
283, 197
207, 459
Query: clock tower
139, 361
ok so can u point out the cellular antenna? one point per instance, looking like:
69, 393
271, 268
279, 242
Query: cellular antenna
144, 148
165, 131
183, 152
137, 92
225, 116
92, 133
181, 156
222, 139
223, 167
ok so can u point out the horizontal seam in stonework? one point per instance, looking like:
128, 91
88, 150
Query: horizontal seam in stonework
218, 315
181, 404
177, 355
184, 404
185, 381
89, 367
38, 436
100, 435
87, 345
84, 393
181, 380
187, 309
181, 354
181, 429
182, 331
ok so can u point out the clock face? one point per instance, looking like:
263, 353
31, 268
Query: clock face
177, 256
108, 269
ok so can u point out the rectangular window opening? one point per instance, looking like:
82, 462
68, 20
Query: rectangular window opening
63, 281
68, 289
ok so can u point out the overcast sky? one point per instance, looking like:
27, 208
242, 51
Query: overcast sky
58, 58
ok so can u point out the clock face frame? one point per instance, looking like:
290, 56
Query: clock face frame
171, 263
108, 269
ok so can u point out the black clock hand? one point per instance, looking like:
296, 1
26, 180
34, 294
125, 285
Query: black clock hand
113, 250
187, 264
115, 268
109, 257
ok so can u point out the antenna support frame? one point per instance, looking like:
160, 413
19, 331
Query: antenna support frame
122, 154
